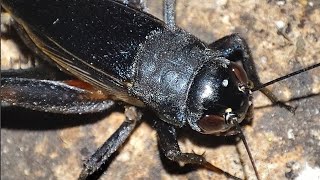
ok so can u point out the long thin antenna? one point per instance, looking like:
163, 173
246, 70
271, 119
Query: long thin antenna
285, 77
242, 137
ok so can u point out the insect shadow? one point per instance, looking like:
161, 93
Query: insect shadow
15, 118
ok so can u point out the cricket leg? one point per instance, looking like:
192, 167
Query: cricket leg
52, 96
169, 146
102, 155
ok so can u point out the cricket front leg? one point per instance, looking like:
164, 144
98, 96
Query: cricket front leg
235, 48
169, 146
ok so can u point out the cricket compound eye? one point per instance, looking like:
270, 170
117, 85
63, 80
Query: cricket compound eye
239, 73
211, 124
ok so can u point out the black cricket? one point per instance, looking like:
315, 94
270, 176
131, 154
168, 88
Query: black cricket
141, 61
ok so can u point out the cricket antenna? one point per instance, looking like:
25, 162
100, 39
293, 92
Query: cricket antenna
285, 77
232, 119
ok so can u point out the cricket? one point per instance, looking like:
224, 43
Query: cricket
115, 89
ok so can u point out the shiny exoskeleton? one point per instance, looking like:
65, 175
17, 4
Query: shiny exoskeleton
139, 60
172, 72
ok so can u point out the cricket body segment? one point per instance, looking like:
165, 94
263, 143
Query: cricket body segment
169, 71
187, 82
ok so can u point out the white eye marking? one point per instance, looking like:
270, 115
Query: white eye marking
225, 83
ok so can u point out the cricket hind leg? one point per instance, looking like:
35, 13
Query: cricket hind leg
235, 48
52, 96
168, 144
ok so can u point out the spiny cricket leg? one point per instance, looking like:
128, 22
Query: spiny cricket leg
275, 100
112, 144
170, 147
169, 13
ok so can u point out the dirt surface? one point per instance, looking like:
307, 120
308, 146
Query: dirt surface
283, 37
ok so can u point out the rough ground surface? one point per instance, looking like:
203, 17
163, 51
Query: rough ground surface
283, 36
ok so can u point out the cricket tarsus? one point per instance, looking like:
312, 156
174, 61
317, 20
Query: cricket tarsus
102, 155
272, 97
168, 144
276, 101
219, 171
